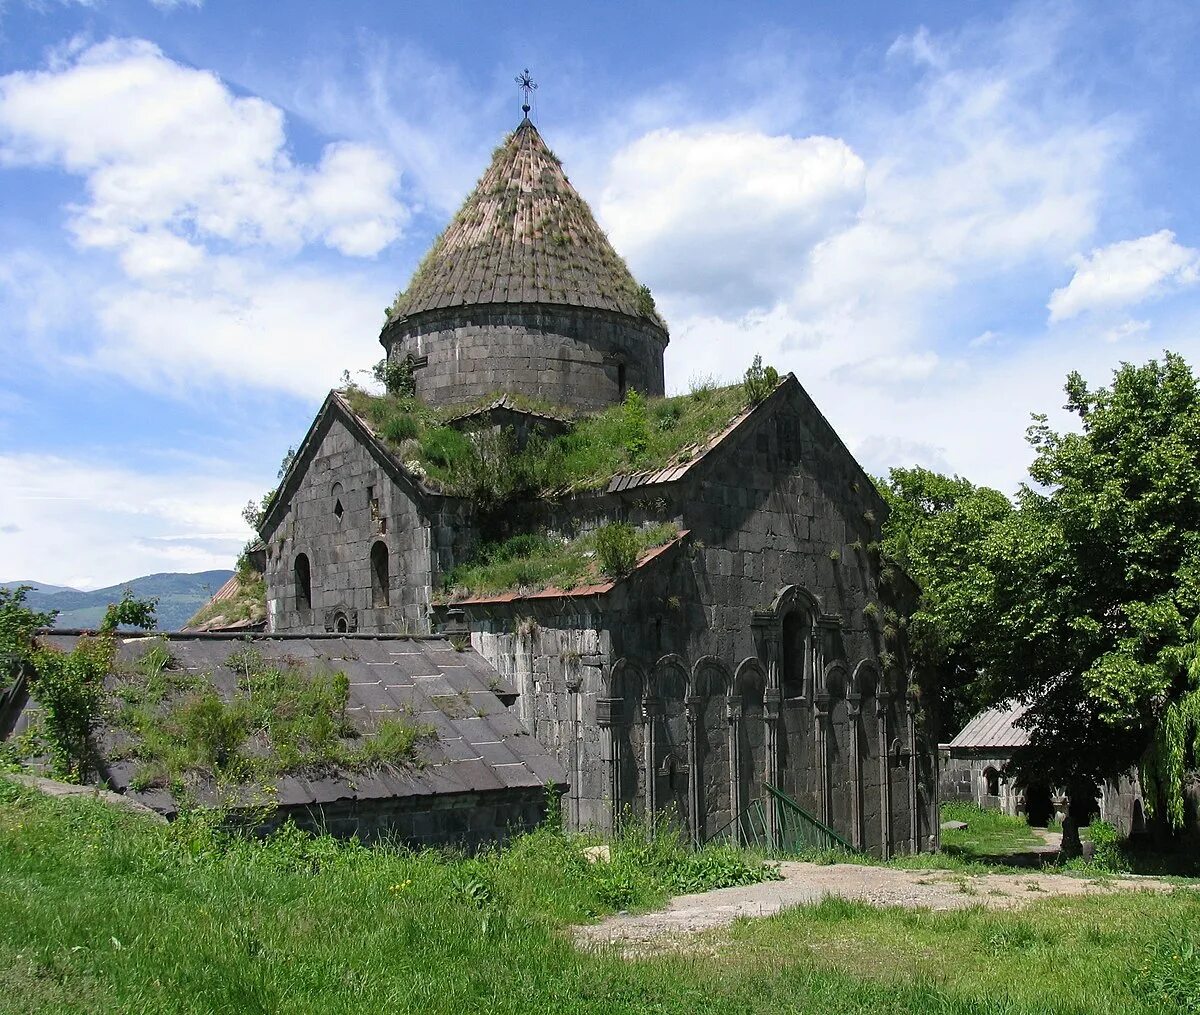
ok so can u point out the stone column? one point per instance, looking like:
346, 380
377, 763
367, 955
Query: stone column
853, 711
821, 719
766, 624
914, 812
574, 753
692, 709
771, 707
733, 712
608, 717
885, 777
652, 708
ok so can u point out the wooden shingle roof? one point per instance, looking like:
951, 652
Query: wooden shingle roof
524, 235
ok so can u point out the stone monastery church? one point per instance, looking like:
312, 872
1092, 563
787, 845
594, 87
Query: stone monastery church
758, 643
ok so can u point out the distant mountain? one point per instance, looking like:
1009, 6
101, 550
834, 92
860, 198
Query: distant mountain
179, 596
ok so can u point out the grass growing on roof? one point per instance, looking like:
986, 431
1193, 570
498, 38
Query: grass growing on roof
250, 603
534, 561
637, 435
282, 718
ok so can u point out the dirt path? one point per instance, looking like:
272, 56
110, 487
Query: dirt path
806, 883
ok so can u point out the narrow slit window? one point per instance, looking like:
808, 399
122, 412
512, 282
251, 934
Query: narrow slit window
380, 592
621, 379
303, 583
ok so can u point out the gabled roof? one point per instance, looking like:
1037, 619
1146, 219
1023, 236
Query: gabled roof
479, 744
524, 235
336, 407
994, 727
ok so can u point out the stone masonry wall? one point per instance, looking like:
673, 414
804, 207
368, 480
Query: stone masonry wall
462, 820
375, 509
568, 356
698, 650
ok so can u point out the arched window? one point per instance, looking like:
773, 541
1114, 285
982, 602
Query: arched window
380, 594
303, 583
991, 781
795, 653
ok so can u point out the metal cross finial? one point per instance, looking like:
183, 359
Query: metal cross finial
527, 85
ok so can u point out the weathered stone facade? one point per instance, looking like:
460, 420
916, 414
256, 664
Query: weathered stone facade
747, 654
361, 530
577, 357
464, 821
763, 646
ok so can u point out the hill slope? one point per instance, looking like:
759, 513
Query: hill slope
179, 596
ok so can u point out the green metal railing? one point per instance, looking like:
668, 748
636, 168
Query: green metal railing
796, 831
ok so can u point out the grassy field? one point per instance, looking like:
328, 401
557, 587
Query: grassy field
104, 911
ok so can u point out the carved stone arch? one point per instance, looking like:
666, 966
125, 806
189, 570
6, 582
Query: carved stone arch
792, 596
617, 711
708, 726
710, 677
748, 745
748, 676
835, 680
625, 676
670, 678
865, 681
666, 743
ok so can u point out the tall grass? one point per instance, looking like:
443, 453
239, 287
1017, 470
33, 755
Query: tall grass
103, 912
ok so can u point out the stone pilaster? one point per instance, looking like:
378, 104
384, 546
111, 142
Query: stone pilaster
854, 712
692, 710
651, 711
825, 789
608, 718
885, 777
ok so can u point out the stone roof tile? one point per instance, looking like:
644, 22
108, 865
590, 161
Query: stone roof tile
524, 235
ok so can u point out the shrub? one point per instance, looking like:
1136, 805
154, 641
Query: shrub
394, 743
1107, 853
400, 428
617, 548
396, 378
213, 731
759, 381
446, 448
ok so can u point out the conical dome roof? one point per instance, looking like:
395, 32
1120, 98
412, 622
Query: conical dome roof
524, 235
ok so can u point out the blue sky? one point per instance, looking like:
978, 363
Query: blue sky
929, 212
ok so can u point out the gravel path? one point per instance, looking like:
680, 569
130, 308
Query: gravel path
806, 883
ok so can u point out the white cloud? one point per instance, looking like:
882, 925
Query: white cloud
724, 216
1127, 329
238, 323
973, 180
1126, 273
173, 160
86, 525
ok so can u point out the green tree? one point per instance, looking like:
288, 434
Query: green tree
1089, 611
936, 530
18, 624
67, 685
